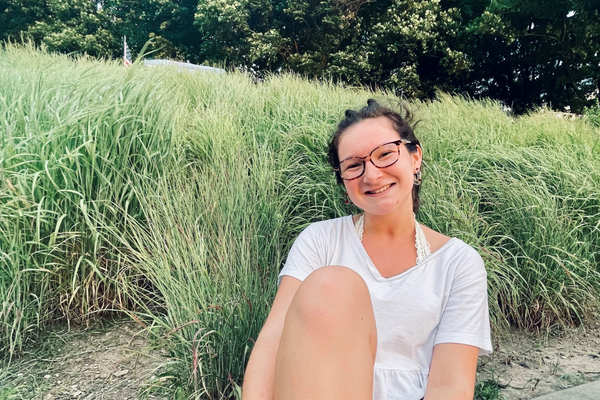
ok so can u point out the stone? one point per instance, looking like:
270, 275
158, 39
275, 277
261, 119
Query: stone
121, 373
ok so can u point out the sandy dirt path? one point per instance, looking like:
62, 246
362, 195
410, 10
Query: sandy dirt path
527, 366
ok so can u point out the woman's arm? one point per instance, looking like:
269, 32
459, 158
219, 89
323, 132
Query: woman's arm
260, 372
452, 372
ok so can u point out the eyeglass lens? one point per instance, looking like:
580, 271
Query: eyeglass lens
381, 157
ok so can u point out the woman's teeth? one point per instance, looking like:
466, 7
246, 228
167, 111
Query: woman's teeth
380, 190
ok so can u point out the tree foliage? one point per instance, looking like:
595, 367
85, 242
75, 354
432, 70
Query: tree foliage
17, 15
75, 26
401, 45
169, 23
526, 53
97, 27
530, 53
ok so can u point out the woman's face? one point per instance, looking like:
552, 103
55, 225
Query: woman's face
379, 191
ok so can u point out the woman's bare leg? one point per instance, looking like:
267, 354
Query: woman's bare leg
329, 340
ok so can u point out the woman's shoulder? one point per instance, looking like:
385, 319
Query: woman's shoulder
328, 225
435, 239
466, 258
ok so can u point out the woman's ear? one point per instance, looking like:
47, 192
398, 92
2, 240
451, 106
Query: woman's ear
417, 159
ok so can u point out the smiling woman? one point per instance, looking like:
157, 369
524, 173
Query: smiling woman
374, 306
384, 187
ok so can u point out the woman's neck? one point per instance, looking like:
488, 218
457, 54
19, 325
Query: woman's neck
398, 225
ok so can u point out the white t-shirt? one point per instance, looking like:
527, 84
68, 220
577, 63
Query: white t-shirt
441, 300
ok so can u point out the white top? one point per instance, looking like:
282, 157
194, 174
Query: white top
441, 300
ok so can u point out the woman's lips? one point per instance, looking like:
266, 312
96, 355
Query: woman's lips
380, 190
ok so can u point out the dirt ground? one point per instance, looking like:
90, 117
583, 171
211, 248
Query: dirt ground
528, 366
116, 362
108, 362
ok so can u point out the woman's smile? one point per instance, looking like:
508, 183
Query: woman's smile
380, 190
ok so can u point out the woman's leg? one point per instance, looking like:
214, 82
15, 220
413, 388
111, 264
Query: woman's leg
329, 340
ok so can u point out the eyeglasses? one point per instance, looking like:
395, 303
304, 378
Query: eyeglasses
382, 156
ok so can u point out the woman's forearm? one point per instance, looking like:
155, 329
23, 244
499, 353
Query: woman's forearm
451, 392
260, 373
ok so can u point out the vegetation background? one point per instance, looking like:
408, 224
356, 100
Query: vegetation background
174, 197
525, 53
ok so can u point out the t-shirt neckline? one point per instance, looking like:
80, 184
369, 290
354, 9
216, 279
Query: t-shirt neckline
374, 271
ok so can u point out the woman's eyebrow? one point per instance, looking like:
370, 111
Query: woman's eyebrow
366, 155
347, 158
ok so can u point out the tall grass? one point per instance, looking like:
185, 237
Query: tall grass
75, 134
175, 197
213, 252
528, 191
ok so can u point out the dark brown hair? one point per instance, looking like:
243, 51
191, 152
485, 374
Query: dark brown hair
403, 125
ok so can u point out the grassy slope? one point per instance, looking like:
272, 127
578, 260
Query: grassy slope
176, 196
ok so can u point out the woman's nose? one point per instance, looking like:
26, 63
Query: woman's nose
371, 173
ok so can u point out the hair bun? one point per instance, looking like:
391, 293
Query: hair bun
371, 103
350, 114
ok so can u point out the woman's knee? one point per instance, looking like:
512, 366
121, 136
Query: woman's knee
337, 284
331, 299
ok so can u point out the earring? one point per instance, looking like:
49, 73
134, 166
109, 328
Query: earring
346, 198
418, 178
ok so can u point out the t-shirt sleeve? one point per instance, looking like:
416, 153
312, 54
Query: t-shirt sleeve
306, 255
465, 318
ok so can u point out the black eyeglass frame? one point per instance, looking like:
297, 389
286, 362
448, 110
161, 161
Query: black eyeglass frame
364, 159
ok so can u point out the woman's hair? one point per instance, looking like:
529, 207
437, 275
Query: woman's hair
402, 125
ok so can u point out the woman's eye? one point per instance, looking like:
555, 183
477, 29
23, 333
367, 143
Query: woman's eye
385, 154
353, 166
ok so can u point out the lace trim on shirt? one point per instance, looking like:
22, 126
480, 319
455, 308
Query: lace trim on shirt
421, 243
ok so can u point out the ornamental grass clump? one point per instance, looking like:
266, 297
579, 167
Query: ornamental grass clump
76, 135
529, 195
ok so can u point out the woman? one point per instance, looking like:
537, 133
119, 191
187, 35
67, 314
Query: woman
374, 306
